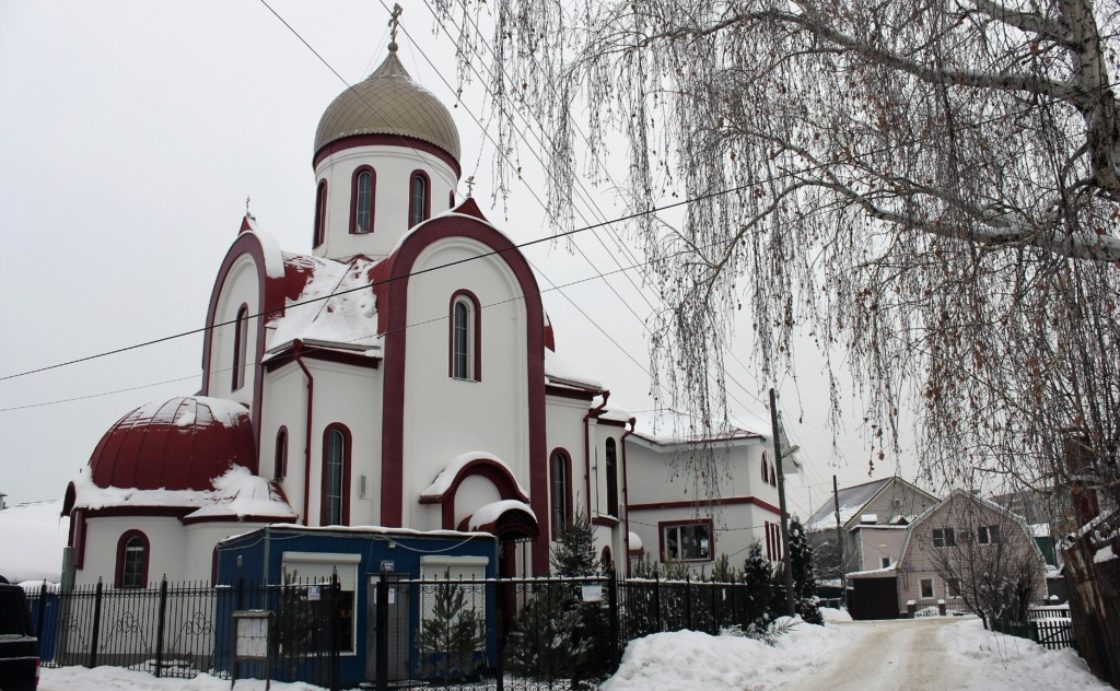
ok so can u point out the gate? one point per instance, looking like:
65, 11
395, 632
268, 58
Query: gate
873, 598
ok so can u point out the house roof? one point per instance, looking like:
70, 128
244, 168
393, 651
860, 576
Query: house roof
852, 502
666, 427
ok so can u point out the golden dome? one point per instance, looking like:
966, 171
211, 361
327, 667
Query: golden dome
388, 102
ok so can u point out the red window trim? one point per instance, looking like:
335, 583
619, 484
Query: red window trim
77, 538
427, 211
121, 543
765, 473
662, 525
240, 347
346, 451
280, 463
319, 227
476, 346
563, 453
354, 199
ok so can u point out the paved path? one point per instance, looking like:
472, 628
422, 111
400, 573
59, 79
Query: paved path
889, 656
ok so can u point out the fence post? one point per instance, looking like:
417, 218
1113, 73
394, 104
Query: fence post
612, 604
715, 617
688, 601
96, 625
734, 614
501, 630
42, 611
160, 625
381, 641
332, 616
657, 600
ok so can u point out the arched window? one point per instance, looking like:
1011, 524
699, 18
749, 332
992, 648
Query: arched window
612, 478
451, 199
335, 502
765, 472
320, 213
280, 470
465, 351
419, 198
362, 187
240, 346
561, 493
132, 559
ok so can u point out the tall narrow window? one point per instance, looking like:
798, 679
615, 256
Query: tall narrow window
612, 478
362, 188
132, 560
336, 476
419, 198
465, 338
281, 469
320, 213
240, 344
765, 474
560, 498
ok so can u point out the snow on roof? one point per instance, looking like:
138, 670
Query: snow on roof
851, 499
615, 414
667, 426
635, 542
558, 372
443, 481
348, 317
236, 492
223, 411
273, 257
487, 514
1040, 529
887, 570
869, 518
33, 536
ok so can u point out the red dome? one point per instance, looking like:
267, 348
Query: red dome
181, 444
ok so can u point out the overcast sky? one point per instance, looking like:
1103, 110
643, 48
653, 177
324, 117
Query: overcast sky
131, 134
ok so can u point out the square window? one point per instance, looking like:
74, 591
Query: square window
886, 561
988, 534
927, 588
953, 587
688, 542
944, 537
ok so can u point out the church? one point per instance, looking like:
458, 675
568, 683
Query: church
403, 376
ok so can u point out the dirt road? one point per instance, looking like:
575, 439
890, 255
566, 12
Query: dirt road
889, 655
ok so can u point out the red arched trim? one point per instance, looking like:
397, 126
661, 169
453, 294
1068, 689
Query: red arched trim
280, 454
240, 347
320, 222
566, 478
476, 338
495, 472
347, 447
354, 198
392, 293
423, 213
122, 543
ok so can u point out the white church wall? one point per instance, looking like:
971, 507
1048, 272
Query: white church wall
242, 286
284, 402
475, 491
393, 167
166, 542
201, 538
565, 431
446, 417
350, 396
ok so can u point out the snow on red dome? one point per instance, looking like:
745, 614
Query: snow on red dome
178, 445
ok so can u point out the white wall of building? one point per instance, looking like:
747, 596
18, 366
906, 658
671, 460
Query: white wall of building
446, 417
166, 540
242, 286
565, 431
393, 166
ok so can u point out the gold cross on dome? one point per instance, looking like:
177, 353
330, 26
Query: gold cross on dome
394, 22
470, 186
246, 205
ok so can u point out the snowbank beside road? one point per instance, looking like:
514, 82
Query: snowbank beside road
1006, 663
118, 679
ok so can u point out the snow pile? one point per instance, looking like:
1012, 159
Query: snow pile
119, 679
1007, 663
33, 536
235, 492
558, 372
347, 317
690, 660
487, 514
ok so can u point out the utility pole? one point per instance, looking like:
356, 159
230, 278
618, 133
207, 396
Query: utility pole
788, 567
839, 530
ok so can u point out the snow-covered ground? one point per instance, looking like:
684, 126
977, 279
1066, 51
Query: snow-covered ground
32, 536
941, 653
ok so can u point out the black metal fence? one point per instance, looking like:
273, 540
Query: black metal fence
412, 633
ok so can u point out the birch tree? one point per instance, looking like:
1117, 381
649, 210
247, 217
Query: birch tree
929, 189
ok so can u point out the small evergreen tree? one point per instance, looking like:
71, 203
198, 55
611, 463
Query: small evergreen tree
804, 582
574, 554
757, 576
547, 643
452, 635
